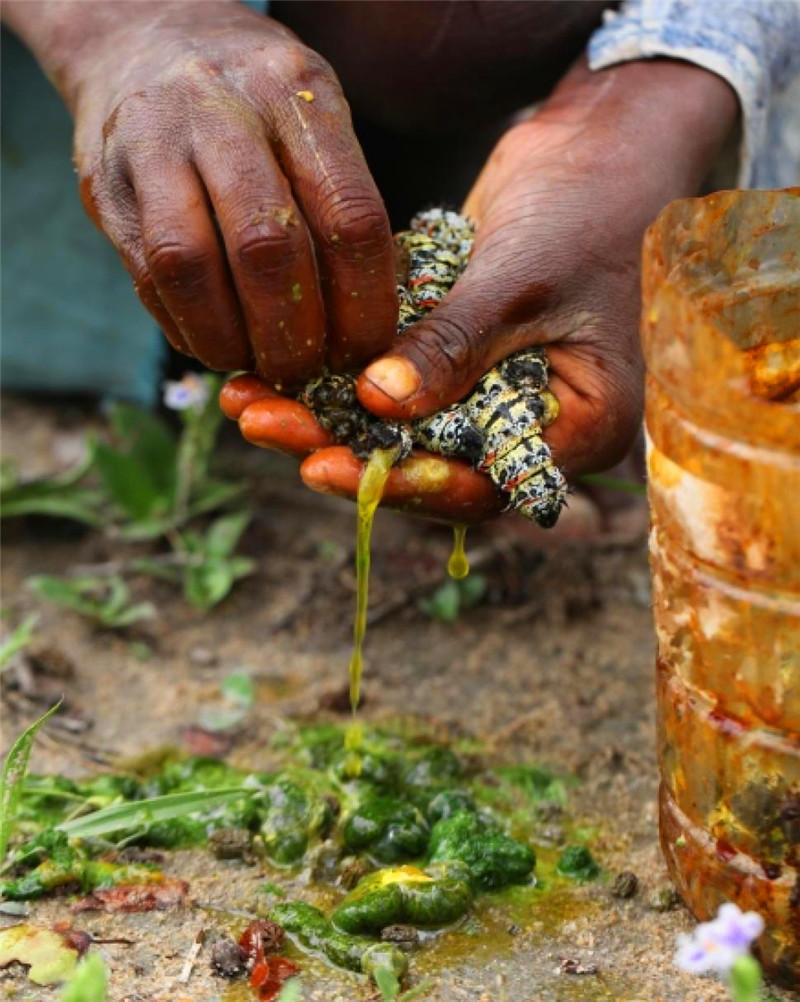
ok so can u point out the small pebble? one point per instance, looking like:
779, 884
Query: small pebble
568, 965
203, 656
664, 899
352, 870
231, 843
404, 936
625, 885
228, 959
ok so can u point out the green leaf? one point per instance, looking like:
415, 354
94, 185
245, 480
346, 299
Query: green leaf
13, 776
238, 688
745, 979
75, 502
155, 568
472, 588
387, 983
444, 603
44, 952
59, 590
150, 441
128, 482
225, 533
417, 990
135, 814
89, 981
18, 640
61, 496
211, 495
103, 600
291, 991
241, 567
208, 584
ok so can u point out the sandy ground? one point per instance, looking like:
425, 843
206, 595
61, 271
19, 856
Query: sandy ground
555, 668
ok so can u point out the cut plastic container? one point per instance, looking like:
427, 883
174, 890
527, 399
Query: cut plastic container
721, 337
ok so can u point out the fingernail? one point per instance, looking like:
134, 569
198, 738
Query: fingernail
396, 377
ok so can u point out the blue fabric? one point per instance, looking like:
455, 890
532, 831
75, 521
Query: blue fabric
71, 321
753, 44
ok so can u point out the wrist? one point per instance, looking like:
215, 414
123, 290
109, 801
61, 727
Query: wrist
75, 41
668, 119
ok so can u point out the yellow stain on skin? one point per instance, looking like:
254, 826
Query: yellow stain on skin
306, 95
429, 474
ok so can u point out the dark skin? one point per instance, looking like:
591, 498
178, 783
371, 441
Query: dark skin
256, 236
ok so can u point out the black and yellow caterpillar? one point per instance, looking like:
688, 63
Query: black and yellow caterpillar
497, 427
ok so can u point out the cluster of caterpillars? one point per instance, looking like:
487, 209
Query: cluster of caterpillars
497, 427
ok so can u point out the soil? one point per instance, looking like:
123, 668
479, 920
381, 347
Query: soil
555, 667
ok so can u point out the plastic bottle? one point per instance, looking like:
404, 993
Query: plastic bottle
721, 337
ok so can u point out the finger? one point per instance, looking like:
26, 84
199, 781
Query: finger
185, 260
442, 357
270, 256
422, 485
241, 391
283, 424
348, 222
110, 201
600, 408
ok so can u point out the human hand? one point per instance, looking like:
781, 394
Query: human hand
217, 154
560, 207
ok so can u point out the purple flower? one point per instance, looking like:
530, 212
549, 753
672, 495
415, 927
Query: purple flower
191, 392
716, 945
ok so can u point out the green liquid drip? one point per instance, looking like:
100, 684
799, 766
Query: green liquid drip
370, 491
458, 565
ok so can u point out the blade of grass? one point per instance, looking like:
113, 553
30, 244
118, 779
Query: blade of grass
15, 768
143, 812
19, 639
416, 991
387, 983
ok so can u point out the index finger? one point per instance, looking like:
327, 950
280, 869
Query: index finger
426, 485
348, 223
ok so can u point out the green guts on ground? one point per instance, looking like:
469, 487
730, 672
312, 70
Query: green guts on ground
498, 427
412, 840
492, 858
406, 895
388, 828
293, 818
309, 926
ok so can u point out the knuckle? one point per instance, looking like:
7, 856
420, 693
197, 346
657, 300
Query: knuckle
261, 250
294, 67
448, 347
178, 263
310, 66
353, 221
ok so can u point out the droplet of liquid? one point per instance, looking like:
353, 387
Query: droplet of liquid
458, 565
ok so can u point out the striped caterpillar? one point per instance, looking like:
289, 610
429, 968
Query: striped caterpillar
497, 427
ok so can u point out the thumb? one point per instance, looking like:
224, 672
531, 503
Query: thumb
442, 356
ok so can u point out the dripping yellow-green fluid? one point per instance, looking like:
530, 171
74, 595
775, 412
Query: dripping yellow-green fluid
370, 491
458, 565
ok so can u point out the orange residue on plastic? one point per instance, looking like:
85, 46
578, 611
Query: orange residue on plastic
721, 339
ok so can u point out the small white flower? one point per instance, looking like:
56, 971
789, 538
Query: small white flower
189, 392
716, 945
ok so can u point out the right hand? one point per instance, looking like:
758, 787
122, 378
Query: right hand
217, 154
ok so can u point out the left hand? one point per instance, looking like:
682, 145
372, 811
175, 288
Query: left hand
560, 208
